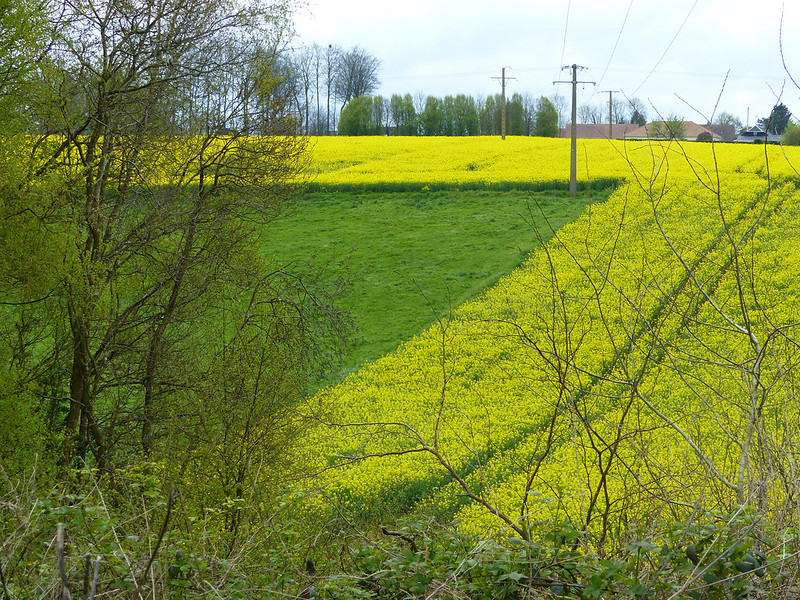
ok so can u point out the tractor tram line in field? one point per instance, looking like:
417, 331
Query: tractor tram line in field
648, 361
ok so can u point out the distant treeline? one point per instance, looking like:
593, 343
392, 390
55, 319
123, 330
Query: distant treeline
332, 90
450, 116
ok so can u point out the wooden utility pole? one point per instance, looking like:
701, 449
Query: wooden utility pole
573, 155
503, 108
503, 103
610, 113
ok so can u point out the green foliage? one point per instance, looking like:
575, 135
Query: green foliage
726, 564
23, 434
131, 293
600, 183
148, 544
705, 136
358, 117
778, 119
460, 115
403, 115
515, 116
432, 117
791, 136
451, 116
23, 38
546, 119
491, 117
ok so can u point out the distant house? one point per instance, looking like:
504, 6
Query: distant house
595, 131
632, 131
690, 132
758, 134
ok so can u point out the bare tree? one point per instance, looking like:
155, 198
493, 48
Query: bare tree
726, 118
420, 99
638, 110
356, 74
306, 81
590, 113
620, 110
562, 107
332, 54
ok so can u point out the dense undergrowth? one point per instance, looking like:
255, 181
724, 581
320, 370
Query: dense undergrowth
126, 538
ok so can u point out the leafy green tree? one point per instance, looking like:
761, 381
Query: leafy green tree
380, 115
515, 116
448, 115
25, 250
777, 120
461, 115
546, 119
358, 117
403, 115
791, 135
432, 117
490, 116
638, 111
638, 118
23, 39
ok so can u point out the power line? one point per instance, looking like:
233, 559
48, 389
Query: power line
566, 27
564, 43
675, 37
614, 50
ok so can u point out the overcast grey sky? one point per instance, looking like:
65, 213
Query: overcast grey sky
656, 50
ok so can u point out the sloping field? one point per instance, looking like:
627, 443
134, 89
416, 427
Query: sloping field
641, 365
409, 256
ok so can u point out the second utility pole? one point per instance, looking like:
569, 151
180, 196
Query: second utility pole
503, 103
610, 112
573, 155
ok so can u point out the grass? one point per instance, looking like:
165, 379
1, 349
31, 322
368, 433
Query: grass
411, 256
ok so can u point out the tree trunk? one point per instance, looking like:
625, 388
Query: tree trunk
78, 393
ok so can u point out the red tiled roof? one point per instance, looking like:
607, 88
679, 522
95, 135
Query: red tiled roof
598, 130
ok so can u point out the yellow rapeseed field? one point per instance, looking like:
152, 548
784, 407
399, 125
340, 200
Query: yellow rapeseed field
417, 162
642, 362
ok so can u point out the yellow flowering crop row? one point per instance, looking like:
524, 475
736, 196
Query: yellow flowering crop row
643, 357
417, 162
